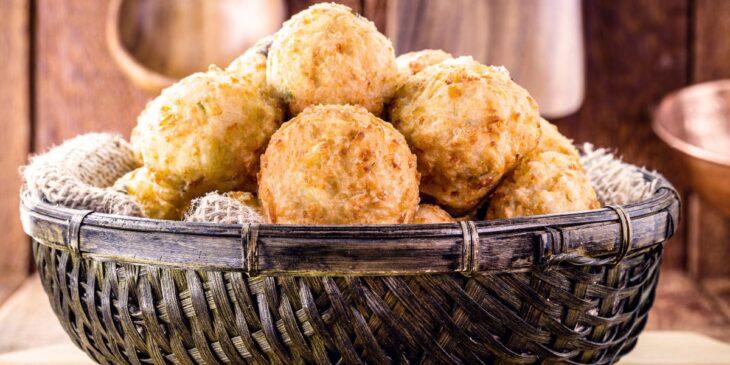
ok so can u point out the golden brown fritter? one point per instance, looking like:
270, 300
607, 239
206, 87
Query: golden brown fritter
469, 124
429, 213
154, 195
338, 164
549, 179
328, 54
206, 133
543, 183
412, 63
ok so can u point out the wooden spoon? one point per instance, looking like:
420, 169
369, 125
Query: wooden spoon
157, 42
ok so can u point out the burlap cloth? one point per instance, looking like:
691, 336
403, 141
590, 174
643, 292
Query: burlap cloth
80, 172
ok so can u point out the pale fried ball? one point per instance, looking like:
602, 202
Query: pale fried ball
552, 140
338, 164
412, 63
206, 133
429, 213
549, 179
252, 63
543, 183
469, 124
328, 54
154, 195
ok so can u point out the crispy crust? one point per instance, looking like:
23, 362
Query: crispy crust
544, 183
338, 164
429, 213
469, 124
412, 63
328, 54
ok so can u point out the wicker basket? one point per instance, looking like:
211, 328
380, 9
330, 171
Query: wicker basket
573, 288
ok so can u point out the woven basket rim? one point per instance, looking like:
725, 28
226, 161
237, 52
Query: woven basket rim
274, 249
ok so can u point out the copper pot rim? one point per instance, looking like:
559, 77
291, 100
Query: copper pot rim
678, 143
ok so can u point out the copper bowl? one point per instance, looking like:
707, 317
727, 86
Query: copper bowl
695, 123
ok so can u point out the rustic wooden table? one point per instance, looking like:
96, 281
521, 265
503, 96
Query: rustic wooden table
679, 329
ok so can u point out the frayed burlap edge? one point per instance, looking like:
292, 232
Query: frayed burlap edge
221, 208
615, 182
78, 174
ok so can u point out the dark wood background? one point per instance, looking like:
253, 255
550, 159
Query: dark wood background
59, 80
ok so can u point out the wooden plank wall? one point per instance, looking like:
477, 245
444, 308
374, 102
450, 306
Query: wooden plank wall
636, 51
708, 240
15, 137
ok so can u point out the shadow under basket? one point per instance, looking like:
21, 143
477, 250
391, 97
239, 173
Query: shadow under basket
566, 288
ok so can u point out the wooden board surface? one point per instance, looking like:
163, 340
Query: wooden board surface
682, 304
27, 319
15, 135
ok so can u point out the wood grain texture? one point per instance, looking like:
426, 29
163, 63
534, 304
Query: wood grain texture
718, 289
15, 136
636, 52
710, 45
539, 42
377, 11
708, 249
27, 319
78, 86
682, 304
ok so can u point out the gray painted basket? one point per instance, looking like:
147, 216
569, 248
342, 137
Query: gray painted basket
572, 288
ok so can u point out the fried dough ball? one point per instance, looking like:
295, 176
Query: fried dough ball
206, 133
550, 179
429, 213
253, 62
552, 140
338, 164
154, 195
543, 183
328, 54
412, 63
469, 124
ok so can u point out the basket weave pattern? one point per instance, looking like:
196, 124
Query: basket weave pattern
123, 313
